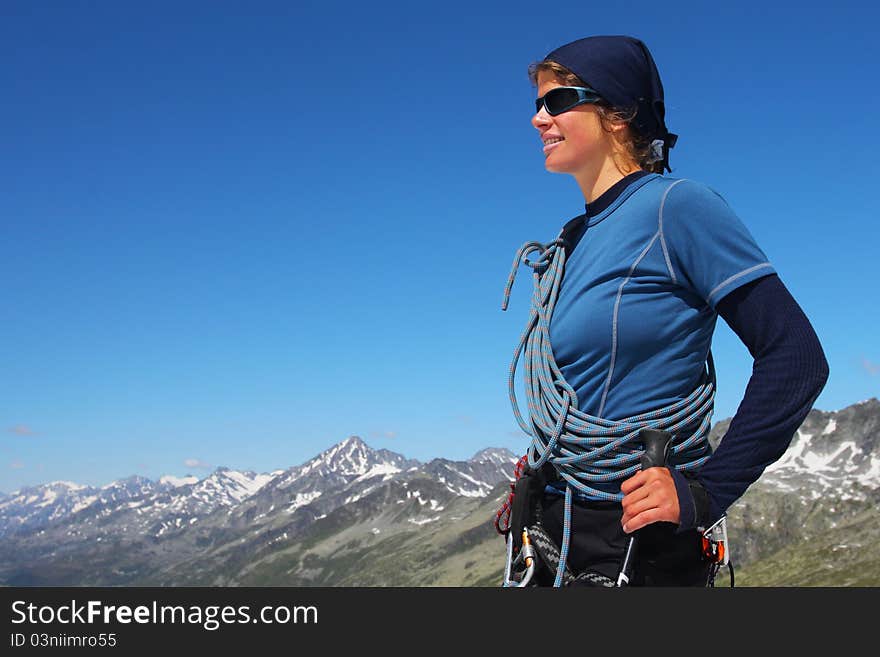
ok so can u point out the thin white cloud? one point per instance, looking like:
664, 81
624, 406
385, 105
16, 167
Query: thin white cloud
197, 463
383, 434
22, 430
16, 465
871, 368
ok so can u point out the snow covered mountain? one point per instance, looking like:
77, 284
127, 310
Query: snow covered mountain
154, 508
66, 523
825, 481
354, 515
36, 506
833, 453
345, 464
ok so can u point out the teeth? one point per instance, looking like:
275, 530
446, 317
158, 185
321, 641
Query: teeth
553, 140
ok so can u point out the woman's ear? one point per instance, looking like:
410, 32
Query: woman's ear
618, 127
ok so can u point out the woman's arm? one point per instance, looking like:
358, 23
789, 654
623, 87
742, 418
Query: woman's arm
789, 372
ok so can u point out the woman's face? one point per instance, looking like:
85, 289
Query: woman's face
574, 141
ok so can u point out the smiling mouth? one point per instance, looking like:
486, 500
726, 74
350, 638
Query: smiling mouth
551, 143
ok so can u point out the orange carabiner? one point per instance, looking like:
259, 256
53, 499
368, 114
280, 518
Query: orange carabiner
713, 550
526, 543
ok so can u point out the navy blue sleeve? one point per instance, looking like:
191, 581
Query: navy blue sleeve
789, 372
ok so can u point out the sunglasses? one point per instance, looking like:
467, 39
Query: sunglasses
561, 99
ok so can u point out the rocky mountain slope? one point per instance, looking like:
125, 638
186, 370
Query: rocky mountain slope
354, 516
219, 530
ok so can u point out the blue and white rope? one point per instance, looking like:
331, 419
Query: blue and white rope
586, 450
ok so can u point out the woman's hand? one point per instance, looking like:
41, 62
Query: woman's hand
649, 496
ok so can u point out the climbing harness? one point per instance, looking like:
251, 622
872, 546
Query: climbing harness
586, 451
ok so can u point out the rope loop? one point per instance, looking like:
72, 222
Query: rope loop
589, 452
540, 266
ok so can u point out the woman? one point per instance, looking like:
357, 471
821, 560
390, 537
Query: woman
619, 340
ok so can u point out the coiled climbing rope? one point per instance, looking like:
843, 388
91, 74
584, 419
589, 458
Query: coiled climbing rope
585, 450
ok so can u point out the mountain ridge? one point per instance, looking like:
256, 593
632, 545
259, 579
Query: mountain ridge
353, 515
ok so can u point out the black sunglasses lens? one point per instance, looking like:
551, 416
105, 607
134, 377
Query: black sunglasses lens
557, 100
560, 99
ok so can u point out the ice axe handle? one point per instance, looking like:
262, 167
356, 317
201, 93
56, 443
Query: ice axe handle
656, 444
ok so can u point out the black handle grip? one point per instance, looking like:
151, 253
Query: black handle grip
656, 447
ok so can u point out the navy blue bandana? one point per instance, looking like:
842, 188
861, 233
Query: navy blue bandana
622, 71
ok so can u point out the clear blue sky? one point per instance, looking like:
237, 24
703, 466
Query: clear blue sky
237, 233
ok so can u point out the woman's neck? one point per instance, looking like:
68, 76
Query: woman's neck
595, 182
